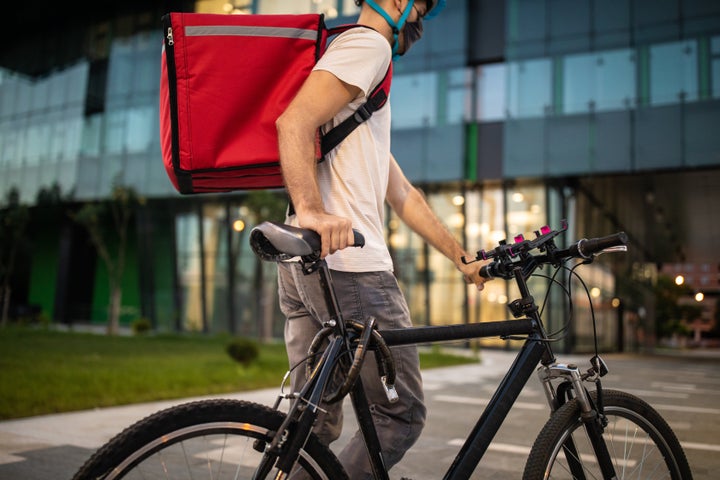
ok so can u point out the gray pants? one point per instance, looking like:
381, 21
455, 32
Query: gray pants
360, 295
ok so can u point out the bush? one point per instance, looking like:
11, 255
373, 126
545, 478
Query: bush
141, 325
243, 350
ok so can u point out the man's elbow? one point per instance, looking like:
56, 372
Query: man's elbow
282, 123
290, 125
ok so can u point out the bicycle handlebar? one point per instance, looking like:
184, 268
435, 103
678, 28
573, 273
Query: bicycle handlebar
587, 248
509, 257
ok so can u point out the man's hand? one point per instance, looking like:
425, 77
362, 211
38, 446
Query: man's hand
336, 232
471, 273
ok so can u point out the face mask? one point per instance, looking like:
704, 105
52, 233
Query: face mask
411, 33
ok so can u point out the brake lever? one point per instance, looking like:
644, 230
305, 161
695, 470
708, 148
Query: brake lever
617, 248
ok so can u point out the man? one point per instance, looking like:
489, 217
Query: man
348, 190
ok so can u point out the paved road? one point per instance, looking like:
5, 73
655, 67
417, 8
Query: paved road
685, 391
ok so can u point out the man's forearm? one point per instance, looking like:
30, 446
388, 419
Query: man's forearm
298, 163
417, 214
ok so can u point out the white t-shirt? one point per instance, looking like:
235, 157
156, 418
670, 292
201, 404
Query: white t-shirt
353, 177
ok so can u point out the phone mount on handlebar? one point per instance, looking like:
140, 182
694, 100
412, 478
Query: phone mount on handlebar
507, 256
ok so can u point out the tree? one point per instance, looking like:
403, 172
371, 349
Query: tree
264, 205
14, 219
668, 309
103, 219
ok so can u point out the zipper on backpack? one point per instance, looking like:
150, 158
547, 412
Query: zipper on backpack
169, 36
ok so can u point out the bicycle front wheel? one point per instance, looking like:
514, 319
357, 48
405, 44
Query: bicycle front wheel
640, 443
208, 439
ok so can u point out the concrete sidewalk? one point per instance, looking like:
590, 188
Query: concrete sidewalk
55, 446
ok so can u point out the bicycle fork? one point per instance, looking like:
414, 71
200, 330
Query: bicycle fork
282, 452
592, 417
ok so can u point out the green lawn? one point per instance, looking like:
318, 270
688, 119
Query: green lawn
46, 371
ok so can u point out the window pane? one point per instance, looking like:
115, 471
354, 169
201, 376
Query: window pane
407, 111
140, 129
458, 96
579, 83
529, 92
484, 228
616, 80
715, 66
599, 81
188, 264
491, 92
673, 73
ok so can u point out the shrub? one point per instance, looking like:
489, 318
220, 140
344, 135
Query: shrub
243, 350
141, 325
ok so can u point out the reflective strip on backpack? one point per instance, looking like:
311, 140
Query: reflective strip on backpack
251, 31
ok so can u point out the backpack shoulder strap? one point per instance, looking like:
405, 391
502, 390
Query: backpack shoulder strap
376, 100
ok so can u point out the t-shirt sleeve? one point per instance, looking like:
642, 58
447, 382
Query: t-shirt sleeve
358, 57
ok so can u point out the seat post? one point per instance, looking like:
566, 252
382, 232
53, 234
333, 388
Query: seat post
328, 289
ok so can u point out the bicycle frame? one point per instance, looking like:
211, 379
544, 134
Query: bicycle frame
535, 351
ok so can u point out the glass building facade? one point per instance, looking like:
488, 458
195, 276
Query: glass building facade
510, 114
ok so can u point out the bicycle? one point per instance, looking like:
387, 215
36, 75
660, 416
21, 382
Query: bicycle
601, 433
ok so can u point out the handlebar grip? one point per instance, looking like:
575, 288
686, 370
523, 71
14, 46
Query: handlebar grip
586, 248
493, 270
358, 239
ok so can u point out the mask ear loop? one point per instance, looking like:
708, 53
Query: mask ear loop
396, 27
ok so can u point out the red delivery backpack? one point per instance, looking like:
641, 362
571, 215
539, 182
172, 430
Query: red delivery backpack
224, 81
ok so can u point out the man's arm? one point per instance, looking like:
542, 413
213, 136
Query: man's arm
321, 97
412, 208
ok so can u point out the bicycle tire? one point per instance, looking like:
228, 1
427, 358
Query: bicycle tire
641, 443
202, 439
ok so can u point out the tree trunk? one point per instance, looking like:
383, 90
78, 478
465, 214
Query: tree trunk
113, 325
5, 303
268, 311
258, 290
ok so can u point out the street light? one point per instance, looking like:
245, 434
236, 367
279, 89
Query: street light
679, 280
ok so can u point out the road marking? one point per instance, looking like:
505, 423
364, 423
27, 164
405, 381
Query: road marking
539, 406
655, 393
483, 402
525, 451
688, 387
700, 446
496, 447
686, 409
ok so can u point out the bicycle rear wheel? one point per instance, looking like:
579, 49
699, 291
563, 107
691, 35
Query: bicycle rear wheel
640, 442
208, 439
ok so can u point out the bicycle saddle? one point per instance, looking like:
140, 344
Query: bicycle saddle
273, 241
277, 242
